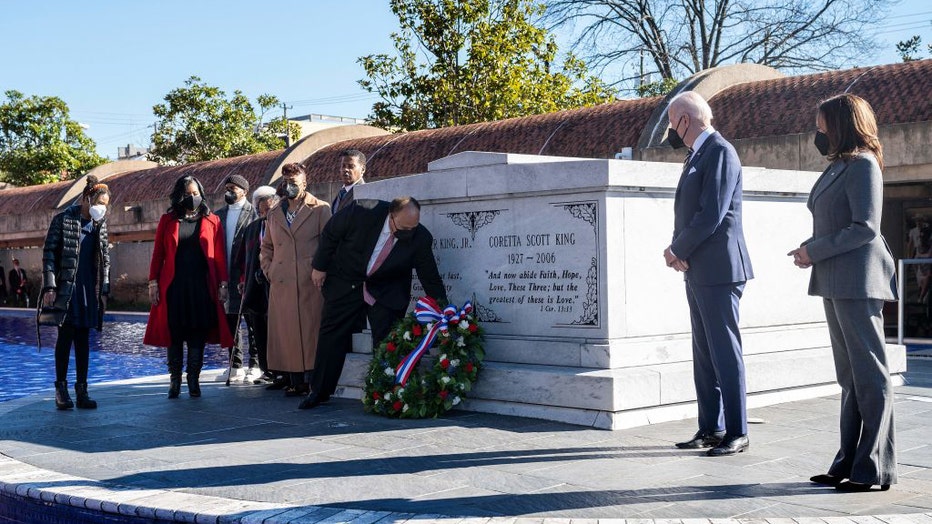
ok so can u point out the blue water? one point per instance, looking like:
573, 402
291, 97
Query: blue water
116, 353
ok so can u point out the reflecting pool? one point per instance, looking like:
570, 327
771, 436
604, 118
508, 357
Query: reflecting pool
116, 353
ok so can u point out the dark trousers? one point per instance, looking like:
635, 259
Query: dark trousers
196, 340
68, 335
718, 362
338, 323
236, 352
258, 328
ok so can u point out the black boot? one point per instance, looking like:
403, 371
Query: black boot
175, 356
174, 386
62, 398
195, 361
83, 401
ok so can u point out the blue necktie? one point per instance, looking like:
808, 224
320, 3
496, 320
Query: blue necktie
338, 201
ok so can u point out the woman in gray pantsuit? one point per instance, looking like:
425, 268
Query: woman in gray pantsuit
853, 272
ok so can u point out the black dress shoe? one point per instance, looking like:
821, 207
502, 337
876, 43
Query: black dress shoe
312, 400
826, 480
857, 487
730, 446
702, 439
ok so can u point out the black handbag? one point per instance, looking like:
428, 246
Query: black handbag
47, 316
50, 316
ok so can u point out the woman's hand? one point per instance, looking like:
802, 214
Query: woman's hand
154, 293
223, 293
48, 299
801, 257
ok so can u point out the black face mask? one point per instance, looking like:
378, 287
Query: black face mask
289, 190
674, 138
191, 202
403, 235
229, 197
821, 143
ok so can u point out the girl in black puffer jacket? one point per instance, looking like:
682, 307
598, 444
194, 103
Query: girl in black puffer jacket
76, 278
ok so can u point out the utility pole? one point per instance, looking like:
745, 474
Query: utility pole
285, 109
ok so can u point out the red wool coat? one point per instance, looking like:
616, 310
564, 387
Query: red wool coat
162, 268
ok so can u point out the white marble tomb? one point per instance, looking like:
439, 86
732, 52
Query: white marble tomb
585, 323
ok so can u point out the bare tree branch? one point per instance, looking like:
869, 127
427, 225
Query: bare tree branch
681, 37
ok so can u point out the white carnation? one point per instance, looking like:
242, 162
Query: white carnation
388, 397
460, 343
455, 362
456, 400
445, 379
464, 325
405, 408
389, 371
407, 335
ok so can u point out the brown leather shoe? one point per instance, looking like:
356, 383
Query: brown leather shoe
702, 439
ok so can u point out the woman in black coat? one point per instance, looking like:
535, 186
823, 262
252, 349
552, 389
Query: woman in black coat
76, 279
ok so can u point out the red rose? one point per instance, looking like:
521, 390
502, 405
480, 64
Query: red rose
445, 363
416, 330
375, 395
473, 328
443, 394
469, 367
390, 347
398, 405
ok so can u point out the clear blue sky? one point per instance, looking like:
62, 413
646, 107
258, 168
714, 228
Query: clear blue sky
111, 61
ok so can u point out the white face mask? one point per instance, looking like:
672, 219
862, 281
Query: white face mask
97, 212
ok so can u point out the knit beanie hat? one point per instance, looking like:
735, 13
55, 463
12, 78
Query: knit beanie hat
238, 181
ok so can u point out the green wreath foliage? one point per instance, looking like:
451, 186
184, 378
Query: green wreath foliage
442, 378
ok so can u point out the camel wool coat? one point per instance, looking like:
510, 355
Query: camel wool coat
295, 304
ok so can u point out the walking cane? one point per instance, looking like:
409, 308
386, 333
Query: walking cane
239, 319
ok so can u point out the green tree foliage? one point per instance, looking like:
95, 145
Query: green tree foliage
909, 49
466, 61
39, 143
198, 122
660, 87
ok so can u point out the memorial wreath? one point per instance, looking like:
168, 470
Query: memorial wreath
396, 386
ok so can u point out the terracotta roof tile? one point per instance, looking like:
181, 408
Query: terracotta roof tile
783, 106
22, 200
156, 183
597, 132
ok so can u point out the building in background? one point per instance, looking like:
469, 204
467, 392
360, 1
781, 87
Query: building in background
131, 152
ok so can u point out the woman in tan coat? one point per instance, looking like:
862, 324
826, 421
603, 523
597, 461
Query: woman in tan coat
295, 304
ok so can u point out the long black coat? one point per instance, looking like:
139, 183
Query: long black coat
246, 262
60, 259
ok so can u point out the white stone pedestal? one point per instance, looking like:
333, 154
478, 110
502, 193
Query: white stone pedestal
585, 323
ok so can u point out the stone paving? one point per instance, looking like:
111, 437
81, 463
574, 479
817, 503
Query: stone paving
244, 454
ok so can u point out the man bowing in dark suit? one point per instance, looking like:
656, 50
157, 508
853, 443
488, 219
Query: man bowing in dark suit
708, 246
363, 266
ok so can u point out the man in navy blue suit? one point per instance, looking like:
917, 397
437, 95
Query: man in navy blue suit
708, 247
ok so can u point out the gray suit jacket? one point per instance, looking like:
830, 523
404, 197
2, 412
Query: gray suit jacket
850, 259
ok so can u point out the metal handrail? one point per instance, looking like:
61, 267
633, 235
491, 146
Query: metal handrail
901, 292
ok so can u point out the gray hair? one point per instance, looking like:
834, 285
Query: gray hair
693, 104
264, 193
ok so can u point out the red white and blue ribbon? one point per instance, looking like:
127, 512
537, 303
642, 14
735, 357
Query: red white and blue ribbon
427, 311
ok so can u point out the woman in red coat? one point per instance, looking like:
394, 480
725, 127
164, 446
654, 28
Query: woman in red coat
187, 284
